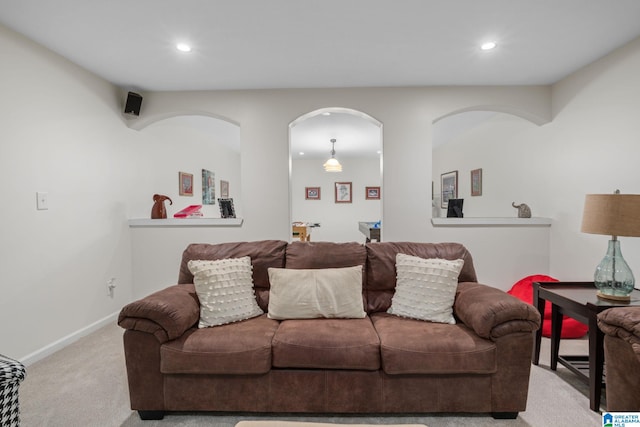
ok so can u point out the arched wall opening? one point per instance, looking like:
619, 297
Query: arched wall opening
313, 197
199, 148
483, 149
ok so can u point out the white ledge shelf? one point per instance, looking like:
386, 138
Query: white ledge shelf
185, 222
491, 222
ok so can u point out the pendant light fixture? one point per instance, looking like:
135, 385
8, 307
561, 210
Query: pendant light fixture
333, 165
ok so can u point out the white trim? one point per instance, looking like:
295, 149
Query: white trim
69, 339
186, 222
491, 222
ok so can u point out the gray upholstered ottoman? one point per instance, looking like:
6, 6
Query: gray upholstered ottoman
12, 373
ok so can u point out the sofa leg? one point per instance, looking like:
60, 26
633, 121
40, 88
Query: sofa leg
151, 415
504, 415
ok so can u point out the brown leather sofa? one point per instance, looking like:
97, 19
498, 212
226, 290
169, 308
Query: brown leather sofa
379, 364
621, 327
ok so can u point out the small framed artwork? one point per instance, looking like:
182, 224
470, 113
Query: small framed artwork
476, 182
226, 208
224, 189
343, 192
448, 187
312, 193
208, 188
185, 184
372, 193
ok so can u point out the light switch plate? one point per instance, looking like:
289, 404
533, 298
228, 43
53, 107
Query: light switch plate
42, 201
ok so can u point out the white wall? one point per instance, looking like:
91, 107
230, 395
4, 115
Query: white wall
264, 117
406, 113
339, 221
591, 146
63, 133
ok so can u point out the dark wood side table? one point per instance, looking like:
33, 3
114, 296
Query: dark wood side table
579, 301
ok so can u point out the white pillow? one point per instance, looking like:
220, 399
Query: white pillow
225, 290
313, 293
425, 288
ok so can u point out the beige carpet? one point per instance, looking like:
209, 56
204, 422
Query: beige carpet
84, 385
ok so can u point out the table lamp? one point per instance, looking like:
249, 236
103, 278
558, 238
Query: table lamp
615, 215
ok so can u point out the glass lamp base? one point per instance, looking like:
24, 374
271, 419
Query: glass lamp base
613, 277
619, 298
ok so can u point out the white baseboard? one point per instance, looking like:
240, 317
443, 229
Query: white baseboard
65, 341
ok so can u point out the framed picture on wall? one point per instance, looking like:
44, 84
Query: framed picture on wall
312, 193
448, 187
224, 189
343, 192
372, 193
208, 187
476, 182
185, 184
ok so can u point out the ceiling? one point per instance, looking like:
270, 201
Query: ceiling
258, 44
355, 136
255, 44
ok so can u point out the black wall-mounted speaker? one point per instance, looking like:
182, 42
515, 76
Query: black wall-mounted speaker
133, 104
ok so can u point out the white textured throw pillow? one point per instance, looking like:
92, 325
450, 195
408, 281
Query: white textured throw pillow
314, 293
225, 290
425, 288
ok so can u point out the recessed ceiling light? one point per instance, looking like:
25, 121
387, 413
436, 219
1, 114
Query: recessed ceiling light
301, 153
183, 47
488, 45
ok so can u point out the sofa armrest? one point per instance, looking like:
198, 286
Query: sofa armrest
622, 322
493, 313
167, 314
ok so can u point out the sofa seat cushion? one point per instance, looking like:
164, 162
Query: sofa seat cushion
326, 344
410, 346
236, 348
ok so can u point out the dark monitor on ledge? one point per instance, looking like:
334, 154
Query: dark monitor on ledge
454, 208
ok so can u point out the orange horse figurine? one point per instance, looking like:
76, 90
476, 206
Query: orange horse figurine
158, 210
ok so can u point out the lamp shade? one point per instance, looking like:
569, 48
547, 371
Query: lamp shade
332, 165
612, 214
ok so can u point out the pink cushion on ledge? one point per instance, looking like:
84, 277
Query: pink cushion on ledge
523, 290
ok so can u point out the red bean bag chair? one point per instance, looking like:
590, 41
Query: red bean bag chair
523, 290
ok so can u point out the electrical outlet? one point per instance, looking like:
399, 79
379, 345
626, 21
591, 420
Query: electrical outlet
111, 286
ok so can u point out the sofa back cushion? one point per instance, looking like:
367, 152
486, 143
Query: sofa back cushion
305, 255
380, 273
263, 254
325, 255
